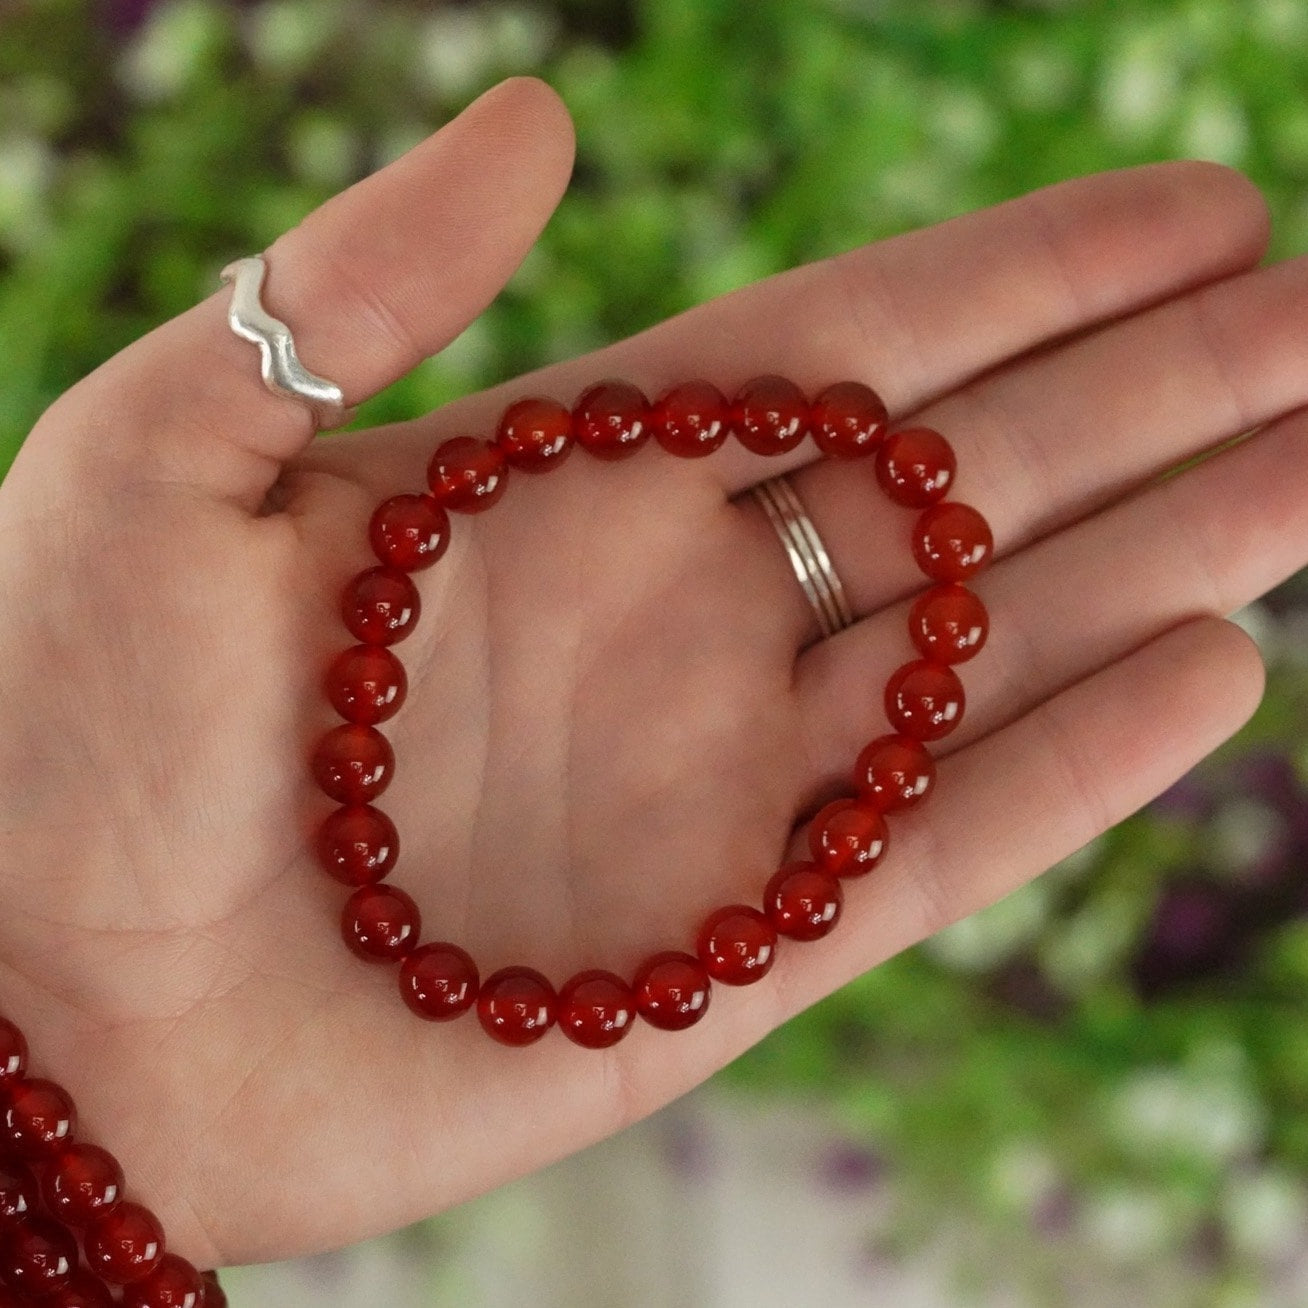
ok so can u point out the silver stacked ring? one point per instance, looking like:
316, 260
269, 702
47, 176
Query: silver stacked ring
808, 555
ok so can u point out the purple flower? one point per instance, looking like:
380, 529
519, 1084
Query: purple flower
123, 17
849, 1167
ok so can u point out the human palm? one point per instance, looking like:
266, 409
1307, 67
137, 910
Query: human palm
618, 713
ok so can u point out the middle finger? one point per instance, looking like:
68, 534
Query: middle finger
1055, 436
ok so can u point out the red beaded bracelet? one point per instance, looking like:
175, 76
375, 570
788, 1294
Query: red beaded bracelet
358, 845
53, 1189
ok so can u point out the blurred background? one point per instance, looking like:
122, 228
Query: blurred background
1095, 1092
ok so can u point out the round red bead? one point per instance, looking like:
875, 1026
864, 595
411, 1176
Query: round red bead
18, 1191
467, 475
848, 420
916, 466
409, 532
358, 845
39, 1117
82, 1290
770, 415
596, 1009
894, 772
517, 1005
13, 1051
802, 901
737, 945
924, 700
951, 542
174, 1283
213, 1292
381, 606
948, 623
535, 434
611, 420
366, 684
672, 990
692, 419
847, 839
380, 923
37, 1256
438, 981
81, 1183
125, 1244
353, 764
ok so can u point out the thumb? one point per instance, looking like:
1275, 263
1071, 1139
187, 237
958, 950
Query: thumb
375, 280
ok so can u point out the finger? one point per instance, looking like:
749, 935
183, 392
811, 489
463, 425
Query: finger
1011, 805
372, 282
1210, 539
1054, 436
919, 314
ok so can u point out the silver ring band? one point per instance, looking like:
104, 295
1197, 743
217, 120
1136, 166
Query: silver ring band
282, 371
808, 556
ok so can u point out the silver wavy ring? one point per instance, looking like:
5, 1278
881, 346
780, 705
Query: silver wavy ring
808, 556
282, 371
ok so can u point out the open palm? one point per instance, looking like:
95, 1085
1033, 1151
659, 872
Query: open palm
617, 713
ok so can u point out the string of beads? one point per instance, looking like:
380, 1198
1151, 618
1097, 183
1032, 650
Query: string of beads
353, 763
57, 1194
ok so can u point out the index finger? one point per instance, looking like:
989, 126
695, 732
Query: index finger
917, 315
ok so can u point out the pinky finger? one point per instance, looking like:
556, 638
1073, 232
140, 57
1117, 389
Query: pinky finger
1014, 803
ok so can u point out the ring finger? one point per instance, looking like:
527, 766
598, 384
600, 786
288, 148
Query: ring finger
1208, 540
1055, 436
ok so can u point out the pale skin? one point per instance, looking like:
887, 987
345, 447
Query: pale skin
619, 714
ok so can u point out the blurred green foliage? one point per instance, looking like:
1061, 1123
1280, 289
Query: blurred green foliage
1014, 1065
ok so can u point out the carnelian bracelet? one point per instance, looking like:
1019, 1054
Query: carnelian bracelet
53, 1189
353, 763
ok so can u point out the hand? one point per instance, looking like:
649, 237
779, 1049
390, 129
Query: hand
616, 715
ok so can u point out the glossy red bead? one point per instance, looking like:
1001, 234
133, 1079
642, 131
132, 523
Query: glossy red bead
381, 606
353, 764
125, 1244
737, 945
409, 532
516, 1005
916, 466
18, 1191
380, 923
691, 420
894, 772
847, 839
438, 981
611, 420
952, 542
924, 700
848, 420
173, 1284
39, 1118
81, 1183
357, 845
13, 1052
467, 475
672, 990
366, 684
802, 901
769, 415
82, 1290
37, 1255
596, 1009
948, 624
214, 1297
535, 434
